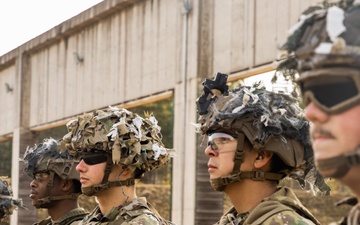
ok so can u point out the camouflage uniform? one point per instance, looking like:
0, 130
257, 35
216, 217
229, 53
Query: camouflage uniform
260, 120
283, 207
72, 217
323, 48
135, 212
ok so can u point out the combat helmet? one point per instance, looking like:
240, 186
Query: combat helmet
47, 158
125, 138
7, 202
269, 121
324, 49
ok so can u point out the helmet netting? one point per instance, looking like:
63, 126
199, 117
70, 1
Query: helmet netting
323, 37
7, 203
46, 157
274, 115
132, 141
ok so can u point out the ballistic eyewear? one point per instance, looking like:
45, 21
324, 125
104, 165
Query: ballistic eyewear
334, 90
217, 140
95, 158
41, 176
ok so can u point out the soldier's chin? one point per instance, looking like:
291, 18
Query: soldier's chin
34, 202
36, 205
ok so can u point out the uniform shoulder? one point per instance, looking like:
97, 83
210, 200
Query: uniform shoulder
282, 206
46, 221
144, 219
287, 217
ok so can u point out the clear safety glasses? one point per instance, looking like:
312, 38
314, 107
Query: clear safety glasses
41, 176
334, 90
218, 140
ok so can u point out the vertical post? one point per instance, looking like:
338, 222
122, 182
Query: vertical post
22, 137
20, 182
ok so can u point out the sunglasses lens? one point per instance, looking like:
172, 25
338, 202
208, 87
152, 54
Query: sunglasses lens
331, 92
94, 159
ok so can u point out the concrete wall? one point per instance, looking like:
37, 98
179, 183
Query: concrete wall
123, 51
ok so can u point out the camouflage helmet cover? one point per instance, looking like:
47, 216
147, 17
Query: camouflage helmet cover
7, 203
264, 116
270, 121
46, 157
324, 38
324, 48
132, 141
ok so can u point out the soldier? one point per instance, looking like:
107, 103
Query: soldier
116, 147
55, 185
255, 139
324, 49
7, 203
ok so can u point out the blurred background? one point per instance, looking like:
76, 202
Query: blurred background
147, 56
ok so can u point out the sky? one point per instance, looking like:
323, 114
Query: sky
22, 20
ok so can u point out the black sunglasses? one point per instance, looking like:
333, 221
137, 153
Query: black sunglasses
334, 90
92, 159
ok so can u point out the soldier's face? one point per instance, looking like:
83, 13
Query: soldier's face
39, 187
220, 150
221, 158
90, 174
333, 135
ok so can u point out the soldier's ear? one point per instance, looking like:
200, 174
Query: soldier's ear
66, 185
262, 159
126, 170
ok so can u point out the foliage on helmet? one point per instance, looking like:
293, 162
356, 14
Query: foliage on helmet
132, 141
7, 203
323, 37
46, 157
265, 117
273, 114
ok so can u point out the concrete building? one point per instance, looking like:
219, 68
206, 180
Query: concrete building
133, 52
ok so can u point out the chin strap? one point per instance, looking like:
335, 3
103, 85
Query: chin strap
105, 184
341, 163
89, 191
220, 183
239, 153
49, 199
